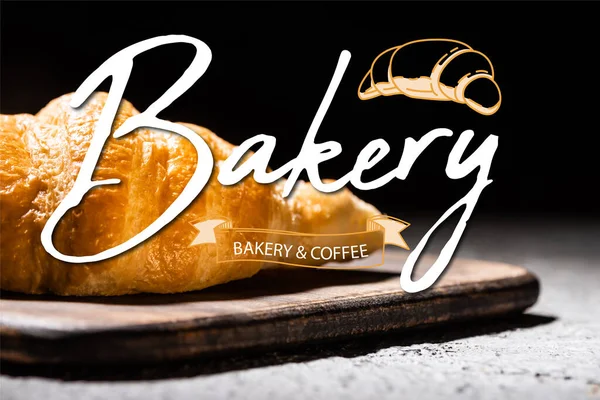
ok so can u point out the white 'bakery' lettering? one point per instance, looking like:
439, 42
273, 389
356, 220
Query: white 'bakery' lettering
310, 156
482, 159
119, 68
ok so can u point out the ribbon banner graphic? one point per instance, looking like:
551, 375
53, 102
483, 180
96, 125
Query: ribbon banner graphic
302, 249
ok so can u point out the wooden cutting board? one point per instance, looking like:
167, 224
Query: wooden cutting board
273, 309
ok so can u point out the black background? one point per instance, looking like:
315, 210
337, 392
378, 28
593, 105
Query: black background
272, 63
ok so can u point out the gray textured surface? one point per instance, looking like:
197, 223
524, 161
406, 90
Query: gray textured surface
552, 352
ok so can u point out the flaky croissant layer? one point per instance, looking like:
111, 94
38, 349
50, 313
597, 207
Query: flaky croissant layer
41, 156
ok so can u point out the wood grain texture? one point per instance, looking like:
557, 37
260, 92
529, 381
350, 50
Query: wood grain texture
277, 307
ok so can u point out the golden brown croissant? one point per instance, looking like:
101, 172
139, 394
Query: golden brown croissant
41, 156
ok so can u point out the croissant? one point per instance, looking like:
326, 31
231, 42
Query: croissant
41, 156
430, 87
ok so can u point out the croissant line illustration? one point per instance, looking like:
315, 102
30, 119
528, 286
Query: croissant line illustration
430, 87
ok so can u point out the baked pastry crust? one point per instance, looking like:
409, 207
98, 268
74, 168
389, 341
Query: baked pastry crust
41, 156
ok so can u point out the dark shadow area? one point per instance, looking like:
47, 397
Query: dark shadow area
349, 348
266, 283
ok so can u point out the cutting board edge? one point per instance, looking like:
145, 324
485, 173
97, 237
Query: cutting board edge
172, 345
15, 329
